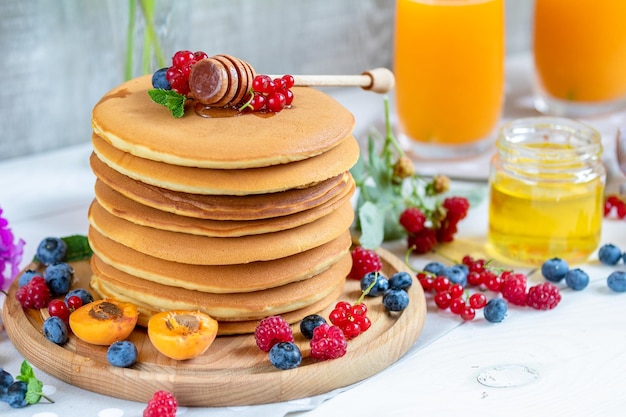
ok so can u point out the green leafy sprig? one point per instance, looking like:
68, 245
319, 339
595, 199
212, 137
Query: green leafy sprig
174, 101
34, 387
388, 185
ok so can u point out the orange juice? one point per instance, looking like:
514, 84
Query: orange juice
449, 69
580, 49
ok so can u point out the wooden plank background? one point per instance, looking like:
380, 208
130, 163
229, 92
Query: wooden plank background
59, 58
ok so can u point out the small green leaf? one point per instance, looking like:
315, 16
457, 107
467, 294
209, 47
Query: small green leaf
33, 391
78, 248
372, 223
26, 372
169, 98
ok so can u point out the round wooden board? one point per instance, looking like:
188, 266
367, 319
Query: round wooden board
234, 371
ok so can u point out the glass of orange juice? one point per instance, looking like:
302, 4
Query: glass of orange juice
449, 68
579, 52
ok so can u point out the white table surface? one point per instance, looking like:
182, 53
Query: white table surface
576, 353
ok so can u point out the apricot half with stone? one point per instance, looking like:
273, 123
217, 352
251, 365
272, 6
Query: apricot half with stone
182, 334
104, 322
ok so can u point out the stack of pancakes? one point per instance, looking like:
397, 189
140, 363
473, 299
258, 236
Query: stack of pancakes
239, 215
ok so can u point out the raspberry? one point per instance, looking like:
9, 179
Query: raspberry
162, 404
543, 296
456, 207
272, 330
35, 294
424, 241
513, 288
328, 342
413, 219
364, 261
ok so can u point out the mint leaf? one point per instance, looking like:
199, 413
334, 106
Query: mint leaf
33, 391
34, 386
169, 98
78, 248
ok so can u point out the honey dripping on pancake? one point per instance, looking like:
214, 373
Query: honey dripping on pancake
209, 112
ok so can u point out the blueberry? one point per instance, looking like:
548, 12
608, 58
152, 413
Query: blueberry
401, 280
456, 274
51, 250
617, 281
285, 355
395, 299
82, 293
609, 254
435, 268
55, 330
577, 279
554, 269
59, 277
6, 379
16, 394
382, 284
495, 310
309, 323
122, 354
159, 80
27, 276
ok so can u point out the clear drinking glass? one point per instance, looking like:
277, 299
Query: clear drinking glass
449, 68
579, 56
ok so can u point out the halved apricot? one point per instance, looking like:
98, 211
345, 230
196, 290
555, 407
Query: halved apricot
104, 322
182, 334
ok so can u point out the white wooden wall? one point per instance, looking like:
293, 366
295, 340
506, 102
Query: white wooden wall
57, 58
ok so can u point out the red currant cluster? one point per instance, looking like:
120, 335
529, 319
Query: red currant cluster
270, 95
452, 295
511, 285
351, 319
614, 205
422, 238
180, 70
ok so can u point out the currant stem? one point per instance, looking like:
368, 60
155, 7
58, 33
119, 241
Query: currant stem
368, 289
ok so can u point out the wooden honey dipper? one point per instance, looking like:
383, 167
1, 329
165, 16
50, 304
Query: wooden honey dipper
223, 80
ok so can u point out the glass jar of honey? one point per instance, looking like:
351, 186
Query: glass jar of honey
546, 191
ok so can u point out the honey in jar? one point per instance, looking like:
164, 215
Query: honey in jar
546, 191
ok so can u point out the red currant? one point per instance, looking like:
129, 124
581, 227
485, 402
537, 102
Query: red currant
425, 281
258, 102
477, 301
74, 302
58, 308
456, 291
288, 98
198, 55
289, 81
457, 305
441, 284
275, 102
468, 313
181, 58
443, 299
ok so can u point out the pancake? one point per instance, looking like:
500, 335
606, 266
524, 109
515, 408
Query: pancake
231, 181
249, 277
223, 207
203, 250
226, 328
224, 307
127, 118
120, 206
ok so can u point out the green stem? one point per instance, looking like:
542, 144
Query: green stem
130, 40
148, 7
390, 139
